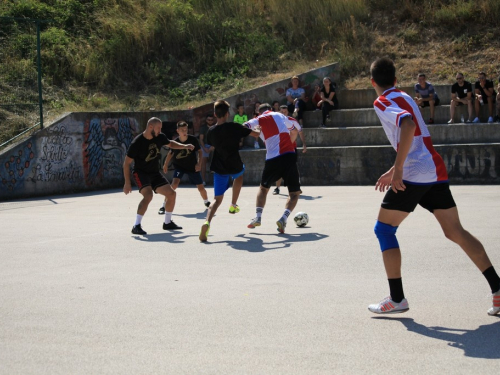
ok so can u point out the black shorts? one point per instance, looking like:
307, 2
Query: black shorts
431, 197
155, 180
194, 177
285, 167
426, 104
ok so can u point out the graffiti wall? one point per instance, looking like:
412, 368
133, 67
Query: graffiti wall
80, 152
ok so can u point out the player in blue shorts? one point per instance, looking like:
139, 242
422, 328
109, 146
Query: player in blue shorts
185, 162
418, 177
226, 162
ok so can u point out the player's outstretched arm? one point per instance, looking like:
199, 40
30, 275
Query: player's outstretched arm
127, 187
179, 146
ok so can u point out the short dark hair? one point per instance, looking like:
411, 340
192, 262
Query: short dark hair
221, 108
275, 102
383, 72
482, 74
283, 106
264, 107
239, 105
421, 75
182, 124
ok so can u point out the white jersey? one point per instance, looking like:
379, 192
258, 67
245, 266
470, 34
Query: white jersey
423, 165
275, 131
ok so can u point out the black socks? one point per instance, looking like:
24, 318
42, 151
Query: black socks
493, 279
396, 288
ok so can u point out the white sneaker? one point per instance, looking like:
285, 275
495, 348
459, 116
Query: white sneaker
254, 223
450, 122
495, 309
281, 224
490, 120
388, 306
476, 120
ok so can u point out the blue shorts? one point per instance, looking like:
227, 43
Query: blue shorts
194, 177
203, 153
221, 181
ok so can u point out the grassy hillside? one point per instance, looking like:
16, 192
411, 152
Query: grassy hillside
138, 54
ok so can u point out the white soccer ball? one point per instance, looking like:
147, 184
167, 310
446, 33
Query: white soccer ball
301, 219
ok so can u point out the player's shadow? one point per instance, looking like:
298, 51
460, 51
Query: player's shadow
170, 237
309, 197
199, 215
482, 342
257, 245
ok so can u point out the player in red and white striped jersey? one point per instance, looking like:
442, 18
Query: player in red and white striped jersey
279, 133
418, 177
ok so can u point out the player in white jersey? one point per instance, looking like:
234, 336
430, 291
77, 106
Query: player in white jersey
279, 134
418, 177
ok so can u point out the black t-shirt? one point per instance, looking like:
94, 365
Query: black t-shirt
461, 91
225, 139
487, 85
186, 159
327, 95
146, 152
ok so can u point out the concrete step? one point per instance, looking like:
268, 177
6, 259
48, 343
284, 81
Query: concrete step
363, 165
368, 117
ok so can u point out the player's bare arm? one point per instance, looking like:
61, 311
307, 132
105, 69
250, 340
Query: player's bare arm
127, 187
406, 139
304, 147
167, 161
293, 134
197, 167
179, 146
384, 182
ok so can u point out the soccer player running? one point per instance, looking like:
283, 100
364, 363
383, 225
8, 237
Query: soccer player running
226, 162
279, 133
144, 151
418, 176
185, 162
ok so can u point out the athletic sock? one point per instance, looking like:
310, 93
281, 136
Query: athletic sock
138, 219
396, 288
205, 200
163, 205
259, 211
493, 279
168, 217
285, 215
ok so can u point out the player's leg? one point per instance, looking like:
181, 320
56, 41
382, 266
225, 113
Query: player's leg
470, 109
453, 105
270, 175
170, 197
237, 185
175, 183
292, 181
147, 197
277, 190
220, 187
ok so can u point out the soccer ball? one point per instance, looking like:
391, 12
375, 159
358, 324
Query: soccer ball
301, 219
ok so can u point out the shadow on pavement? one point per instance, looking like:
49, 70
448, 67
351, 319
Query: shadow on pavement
163, 237
257, 245
483, 342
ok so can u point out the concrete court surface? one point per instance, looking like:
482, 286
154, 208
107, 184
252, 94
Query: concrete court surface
79, 294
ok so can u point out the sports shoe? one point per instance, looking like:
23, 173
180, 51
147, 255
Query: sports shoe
450, 122
207, 204
431, 121
161, 211
137, 229
388, 306
476, 120
205, 228
490, 120
171, 226
276, 191
495, 309
234, 209
281, 225
254, 223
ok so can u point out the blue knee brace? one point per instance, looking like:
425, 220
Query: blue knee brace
386, 235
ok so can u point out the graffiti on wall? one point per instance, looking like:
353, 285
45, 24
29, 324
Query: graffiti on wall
105, 145
467, 163
54, 161
14, 171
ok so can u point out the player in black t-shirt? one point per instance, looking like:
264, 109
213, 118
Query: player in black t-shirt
144, 151
186, 162
226, 162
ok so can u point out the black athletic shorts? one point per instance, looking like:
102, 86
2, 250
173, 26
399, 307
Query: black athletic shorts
155, 180
285, 167
436, 103
431, 197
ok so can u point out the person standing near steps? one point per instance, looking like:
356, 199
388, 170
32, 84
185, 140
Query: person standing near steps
418, 177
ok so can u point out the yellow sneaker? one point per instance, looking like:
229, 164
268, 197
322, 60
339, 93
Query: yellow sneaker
234, 209
205, 228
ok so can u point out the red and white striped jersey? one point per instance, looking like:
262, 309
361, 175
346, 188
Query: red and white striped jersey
275, 131
423, 165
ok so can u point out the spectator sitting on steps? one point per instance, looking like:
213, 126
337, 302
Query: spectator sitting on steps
425, 95
485, 93
328, 100
461, 93
295, 96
